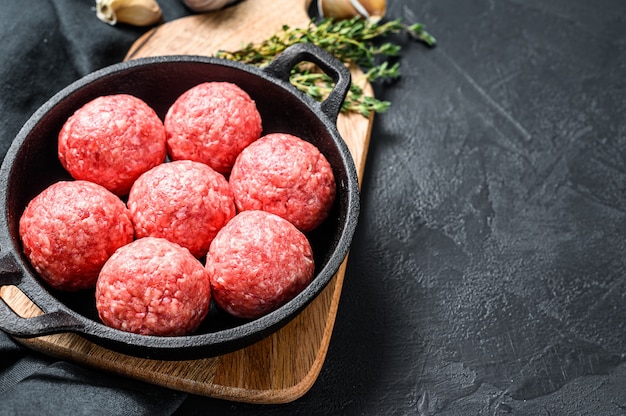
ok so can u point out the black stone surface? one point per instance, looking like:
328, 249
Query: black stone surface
488, 273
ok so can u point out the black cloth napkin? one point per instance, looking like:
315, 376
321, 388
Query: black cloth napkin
46, 45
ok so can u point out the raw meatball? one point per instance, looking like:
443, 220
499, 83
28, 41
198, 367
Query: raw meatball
212, 123
183, 201
111, 141
287, 176
70, 229
153, 287
258, 262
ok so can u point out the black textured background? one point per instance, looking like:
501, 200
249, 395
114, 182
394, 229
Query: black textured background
487, 275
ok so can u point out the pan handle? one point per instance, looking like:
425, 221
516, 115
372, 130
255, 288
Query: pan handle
281, 67
13, 324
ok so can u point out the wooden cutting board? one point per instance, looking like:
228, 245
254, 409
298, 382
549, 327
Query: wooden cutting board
284, 366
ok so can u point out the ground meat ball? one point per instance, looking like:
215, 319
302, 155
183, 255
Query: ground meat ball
258, 262
70, 229
212, 123
111, 141
286, 176
153, 287
183, 201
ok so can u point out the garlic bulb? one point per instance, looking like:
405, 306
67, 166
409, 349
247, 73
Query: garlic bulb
373, 10
133, 12
207, 5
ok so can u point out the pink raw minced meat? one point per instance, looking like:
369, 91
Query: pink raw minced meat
153, 287
112, 140
183, 201
287, 176
70, 229
258, 262
212, 123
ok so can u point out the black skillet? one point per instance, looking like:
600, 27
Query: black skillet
31, 165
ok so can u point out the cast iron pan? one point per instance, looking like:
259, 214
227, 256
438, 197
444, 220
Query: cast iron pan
31, 165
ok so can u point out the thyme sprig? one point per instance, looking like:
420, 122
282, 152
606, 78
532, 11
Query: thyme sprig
354, 42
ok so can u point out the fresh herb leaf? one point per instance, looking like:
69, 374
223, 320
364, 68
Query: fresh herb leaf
354, 41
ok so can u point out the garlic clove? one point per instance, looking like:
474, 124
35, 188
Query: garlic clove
376, 8
206, 5
337, 9
132, 12
373, 10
